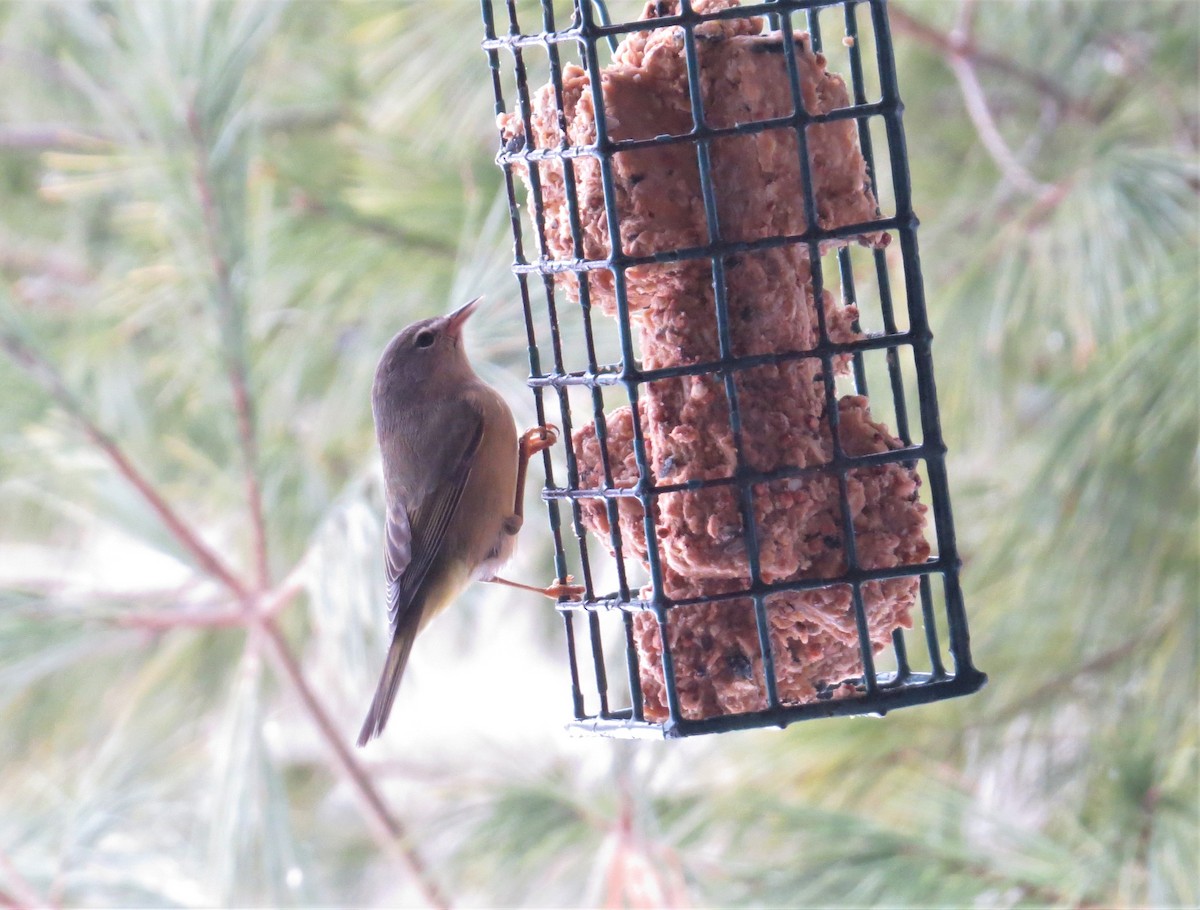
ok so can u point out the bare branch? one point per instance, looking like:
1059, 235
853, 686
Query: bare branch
989, 134
38, 368
253, 615
267, 606
258, 619
947, 45
392, 833
959, 50
274, 601
234, 361
165, 620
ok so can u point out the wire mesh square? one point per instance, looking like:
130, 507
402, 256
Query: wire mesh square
717, 260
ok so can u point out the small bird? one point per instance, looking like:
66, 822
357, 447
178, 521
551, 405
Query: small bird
454, 477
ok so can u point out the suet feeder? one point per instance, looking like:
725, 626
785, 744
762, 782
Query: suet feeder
725, 315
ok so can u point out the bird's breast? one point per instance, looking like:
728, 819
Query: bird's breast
490, 493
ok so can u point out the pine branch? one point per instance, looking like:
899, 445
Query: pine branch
1101, 663
950, 45
234, 360
256, 612
45, 375
1041, 895
960, 56
975, 101
394, 835
38, 137
267, 606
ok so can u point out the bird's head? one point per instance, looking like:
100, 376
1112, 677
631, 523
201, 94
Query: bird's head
426, 356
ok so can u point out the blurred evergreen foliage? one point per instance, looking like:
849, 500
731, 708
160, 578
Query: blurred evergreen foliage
212, 218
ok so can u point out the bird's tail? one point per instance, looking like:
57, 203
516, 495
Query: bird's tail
389, 682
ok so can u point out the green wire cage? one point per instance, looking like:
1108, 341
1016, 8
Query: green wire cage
716, 254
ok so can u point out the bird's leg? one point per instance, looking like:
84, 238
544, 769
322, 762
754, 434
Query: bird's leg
555, 591
532, 442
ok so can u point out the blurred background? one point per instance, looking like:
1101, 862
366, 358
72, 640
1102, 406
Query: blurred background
213, 216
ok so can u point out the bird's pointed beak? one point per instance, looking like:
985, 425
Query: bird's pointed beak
456, 320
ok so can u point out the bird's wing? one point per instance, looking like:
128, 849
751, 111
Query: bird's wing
414, 536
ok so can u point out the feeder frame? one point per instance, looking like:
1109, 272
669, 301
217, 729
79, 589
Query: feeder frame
590, 26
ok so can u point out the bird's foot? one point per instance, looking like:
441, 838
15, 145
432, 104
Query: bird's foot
562, 589
537, 439
557, 591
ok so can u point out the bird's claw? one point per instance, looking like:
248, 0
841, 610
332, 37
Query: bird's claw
538, 439
556, 591
563, 588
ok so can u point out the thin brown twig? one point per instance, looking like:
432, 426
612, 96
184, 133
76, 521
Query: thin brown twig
267, 606
38, 137
975, 101
959, 52
397, 836
165, 620
41, 371
18, 892
234, 361
272, 602
902, 23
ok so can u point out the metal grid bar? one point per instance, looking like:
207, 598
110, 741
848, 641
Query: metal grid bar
902, 456
857, 112
591, 29
534, 355
525, 107
725, 345
708, 251
615, 375
874, 692
921, 689
827, 370
860, 576
624, 322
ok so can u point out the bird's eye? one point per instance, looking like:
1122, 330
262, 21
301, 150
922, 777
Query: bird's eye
424, 339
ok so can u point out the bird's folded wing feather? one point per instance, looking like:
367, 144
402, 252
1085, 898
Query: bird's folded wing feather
415, 532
